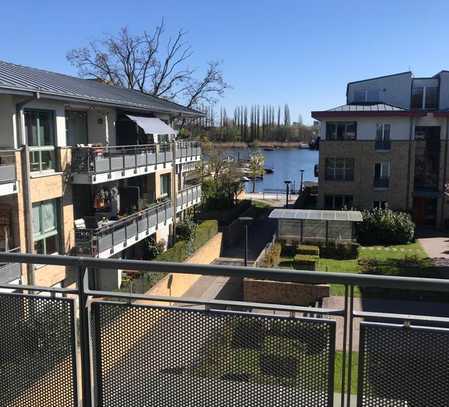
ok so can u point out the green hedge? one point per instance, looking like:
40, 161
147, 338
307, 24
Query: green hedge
273, 256
308, 250
305, 262
183, 249
384, 226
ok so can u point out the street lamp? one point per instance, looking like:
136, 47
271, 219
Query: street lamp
287, 187
301, 180
246, 220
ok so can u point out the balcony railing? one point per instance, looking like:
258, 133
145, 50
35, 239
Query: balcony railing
8, 177
383, 145
10, 271
383, 182
93, 165
115, 235
134, 351
188, 197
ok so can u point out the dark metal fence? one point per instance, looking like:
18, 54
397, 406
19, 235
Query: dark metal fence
133, 351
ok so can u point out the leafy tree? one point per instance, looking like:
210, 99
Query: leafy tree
256, 167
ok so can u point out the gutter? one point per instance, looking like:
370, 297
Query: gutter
26, 188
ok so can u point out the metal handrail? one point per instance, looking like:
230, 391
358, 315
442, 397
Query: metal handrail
314, 277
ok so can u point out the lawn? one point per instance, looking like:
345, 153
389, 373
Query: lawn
387, 255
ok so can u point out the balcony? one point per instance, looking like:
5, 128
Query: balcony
8, 178
381, 183
146, 350
382, 145
187, 151
188, 197
112, 236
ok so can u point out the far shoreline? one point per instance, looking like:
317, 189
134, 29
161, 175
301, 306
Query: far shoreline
261, 144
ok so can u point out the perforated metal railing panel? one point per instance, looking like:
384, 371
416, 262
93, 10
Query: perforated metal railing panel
37, 351
403, 366
159, 356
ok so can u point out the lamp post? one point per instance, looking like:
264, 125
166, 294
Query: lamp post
301, 180
287, 187
246, 220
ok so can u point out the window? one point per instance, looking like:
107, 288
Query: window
383, 137
339, 169
382, 174
425, 97
338, 201
165, 185
45, 227
39, 128
76, 127
366, 95
341, 130
380, 204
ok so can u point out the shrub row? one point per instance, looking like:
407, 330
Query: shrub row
383, 226
339, 250
305, 262
272, 257
307, 249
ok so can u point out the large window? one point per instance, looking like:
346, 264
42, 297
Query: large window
366, 95
383, 137
165, 185
338, 201
341, 130
425, 97
45, 227
39, 127
382, 174
339, 169
76, 127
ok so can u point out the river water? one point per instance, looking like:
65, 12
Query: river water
286, 164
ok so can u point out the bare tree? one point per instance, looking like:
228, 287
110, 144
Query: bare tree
147, 63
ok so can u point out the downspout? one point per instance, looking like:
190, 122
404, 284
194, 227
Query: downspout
26, 188
174, 184
444, 172
407, 199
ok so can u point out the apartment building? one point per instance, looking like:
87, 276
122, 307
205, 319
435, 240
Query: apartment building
388, 146
87, 169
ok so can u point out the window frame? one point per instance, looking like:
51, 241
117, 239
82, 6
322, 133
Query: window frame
42, 235
162, 177
383, 137
345, 198
347, 171
40, 149
344, 137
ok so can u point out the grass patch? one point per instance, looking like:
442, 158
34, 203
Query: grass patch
354, 372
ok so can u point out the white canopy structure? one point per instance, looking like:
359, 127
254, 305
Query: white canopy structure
154, 126
315, 225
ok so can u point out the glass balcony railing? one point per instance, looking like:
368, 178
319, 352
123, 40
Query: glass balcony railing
10, 271
83, 347
93, 165
383, 182
382, 145
8, 176
112, 236
188, 197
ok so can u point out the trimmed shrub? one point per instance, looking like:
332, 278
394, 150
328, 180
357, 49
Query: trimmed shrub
340, 250
305, 262
272, 257
384, 226
308, 250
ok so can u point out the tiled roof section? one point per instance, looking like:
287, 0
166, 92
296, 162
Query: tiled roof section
367, 107
21, 78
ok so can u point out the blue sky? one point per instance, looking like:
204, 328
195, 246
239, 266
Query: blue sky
285, 51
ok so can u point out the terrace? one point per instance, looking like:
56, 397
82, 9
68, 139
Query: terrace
98, 164
135, 350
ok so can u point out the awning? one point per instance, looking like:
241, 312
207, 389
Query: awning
152, 125
312, 214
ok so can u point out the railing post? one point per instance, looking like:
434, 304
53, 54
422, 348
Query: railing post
84, 337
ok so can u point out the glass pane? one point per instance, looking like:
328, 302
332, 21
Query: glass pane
350, 131
46, 129
349, 201
328, 202
48, 160
51, 244
431, 98
76, 125
417, 97
387, 132
31, 128
39, 247
35, 161
331, 131
36, 220
338, 201
48, 216
379, 132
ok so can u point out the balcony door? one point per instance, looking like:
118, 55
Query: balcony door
76, 127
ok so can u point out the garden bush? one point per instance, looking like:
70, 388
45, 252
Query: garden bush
273, 256
384, 226
339, 250
308, 250
305, 262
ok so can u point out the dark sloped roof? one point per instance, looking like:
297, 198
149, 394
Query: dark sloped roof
21, 78
367, 107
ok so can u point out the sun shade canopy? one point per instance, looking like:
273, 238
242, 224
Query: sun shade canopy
152, 125
310, 214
